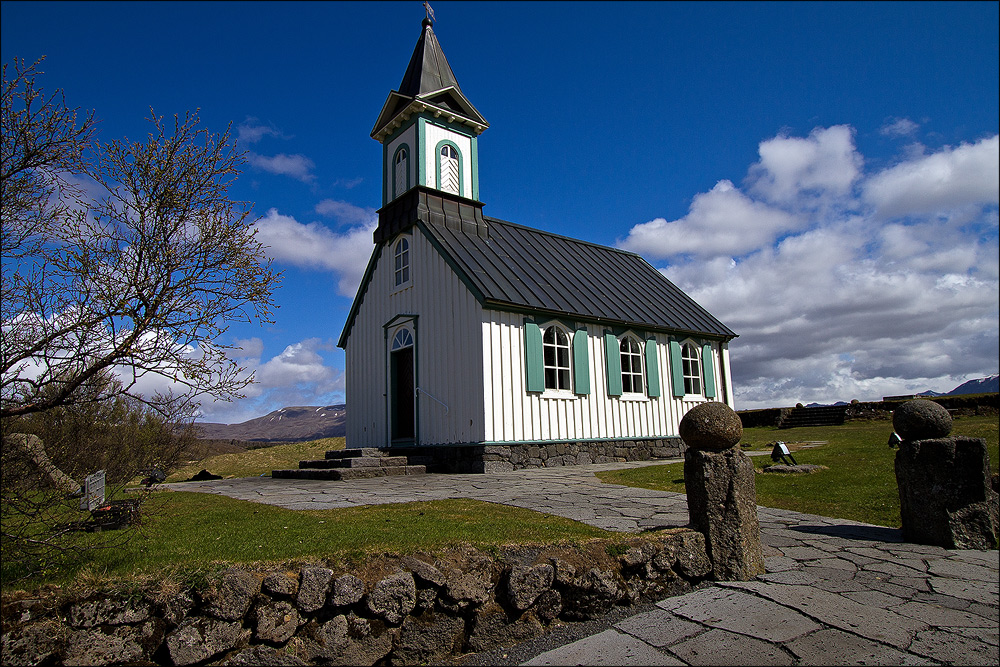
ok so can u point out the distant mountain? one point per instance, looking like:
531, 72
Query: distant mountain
984, 385
292, 424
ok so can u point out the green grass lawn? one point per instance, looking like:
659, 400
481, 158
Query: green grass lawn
183, 532
860, 483
256, 462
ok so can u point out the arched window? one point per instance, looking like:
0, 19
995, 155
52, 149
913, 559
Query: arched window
449, 173
401, 262
555, 358
403, 338
631, 361
401, 172
691, 362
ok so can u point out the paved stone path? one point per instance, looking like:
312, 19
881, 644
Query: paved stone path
836, 592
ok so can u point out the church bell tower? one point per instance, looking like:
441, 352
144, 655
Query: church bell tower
429, 133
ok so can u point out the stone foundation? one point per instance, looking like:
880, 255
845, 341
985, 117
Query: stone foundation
516, 456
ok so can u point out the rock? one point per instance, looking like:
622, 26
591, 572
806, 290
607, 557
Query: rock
428, 638
638, 555
394, 597
692, 556
424, 571
525, 584
280, 584
347, 589
275, 622
711, 426
314, 585
261, 656
91, 647
565, 572
492, 629
232, 595
91, 613
946, 497
198, 639
722, 505
464, 589
40, 643
921, 420
174, 610
592, 594
548, 606
202, 476
793, 469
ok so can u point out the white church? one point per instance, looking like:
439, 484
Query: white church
496, 346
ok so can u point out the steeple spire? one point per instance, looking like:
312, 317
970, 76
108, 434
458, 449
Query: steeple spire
428, 83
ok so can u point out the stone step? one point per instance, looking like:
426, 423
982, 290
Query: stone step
355, 452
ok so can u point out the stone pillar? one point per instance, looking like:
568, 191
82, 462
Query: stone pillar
945, 493
722, 492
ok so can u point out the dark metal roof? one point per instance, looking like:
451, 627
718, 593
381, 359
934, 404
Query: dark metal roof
527, 269
516, 268
428, 69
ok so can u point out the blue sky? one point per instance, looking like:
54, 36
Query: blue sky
822, 177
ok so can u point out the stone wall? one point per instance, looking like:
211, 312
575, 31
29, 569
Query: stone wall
393, 610
505, 458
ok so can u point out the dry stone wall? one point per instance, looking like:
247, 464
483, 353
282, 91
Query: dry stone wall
391, 610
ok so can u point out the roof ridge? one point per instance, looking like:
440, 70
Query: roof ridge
535, 230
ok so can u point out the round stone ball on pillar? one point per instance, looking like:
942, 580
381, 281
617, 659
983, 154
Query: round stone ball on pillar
711, 426
721, 491
921, 419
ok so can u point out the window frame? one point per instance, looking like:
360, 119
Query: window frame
561, 371
692, 362
461, 166
632, 355
403, 149
402, 268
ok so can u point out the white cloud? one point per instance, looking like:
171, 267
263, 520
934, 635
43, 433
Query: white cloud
842, 305
898, 127
951, 179
297, 166
346, 212
722, 221
316, 246
251, 131
791, 168
299, 375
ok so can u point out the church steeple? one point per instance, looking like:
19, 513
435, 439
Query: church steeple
428, 128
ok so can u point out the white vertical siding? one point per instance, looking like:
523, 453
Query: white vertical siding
514, 414
408, 137
432, 135
449, 352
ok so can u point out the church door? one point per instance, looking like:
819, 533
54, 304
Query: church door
402, 386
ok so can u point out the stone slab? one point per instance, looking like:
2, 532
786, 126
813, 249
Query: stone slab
605, 648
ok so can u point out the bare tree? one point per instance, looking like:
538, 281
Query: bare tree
121, 260
125, 256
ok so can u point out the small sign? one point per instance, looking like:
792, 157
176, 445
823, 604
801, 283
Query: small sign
93, 491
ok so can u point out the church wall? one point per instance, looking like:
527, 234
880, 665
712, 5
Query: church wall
448, 353
408, 137
516, 415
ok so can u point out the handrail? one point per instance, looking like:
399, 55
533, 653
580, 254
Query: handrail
433, 398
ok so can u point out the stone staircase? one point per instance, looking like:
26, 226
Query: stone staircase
360, 463
832, 415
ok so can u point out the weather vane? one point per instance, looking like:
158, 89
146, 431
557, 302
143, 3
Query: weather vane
429, 11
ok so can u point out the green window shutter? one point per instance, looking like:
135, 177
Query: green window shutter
706, 367
614, 365
676, 369
533, 357
581, 363
652, 370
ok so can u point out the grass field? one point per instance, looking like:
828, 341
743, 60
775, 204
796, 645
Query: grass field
186, 532
256, 462
860, 482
